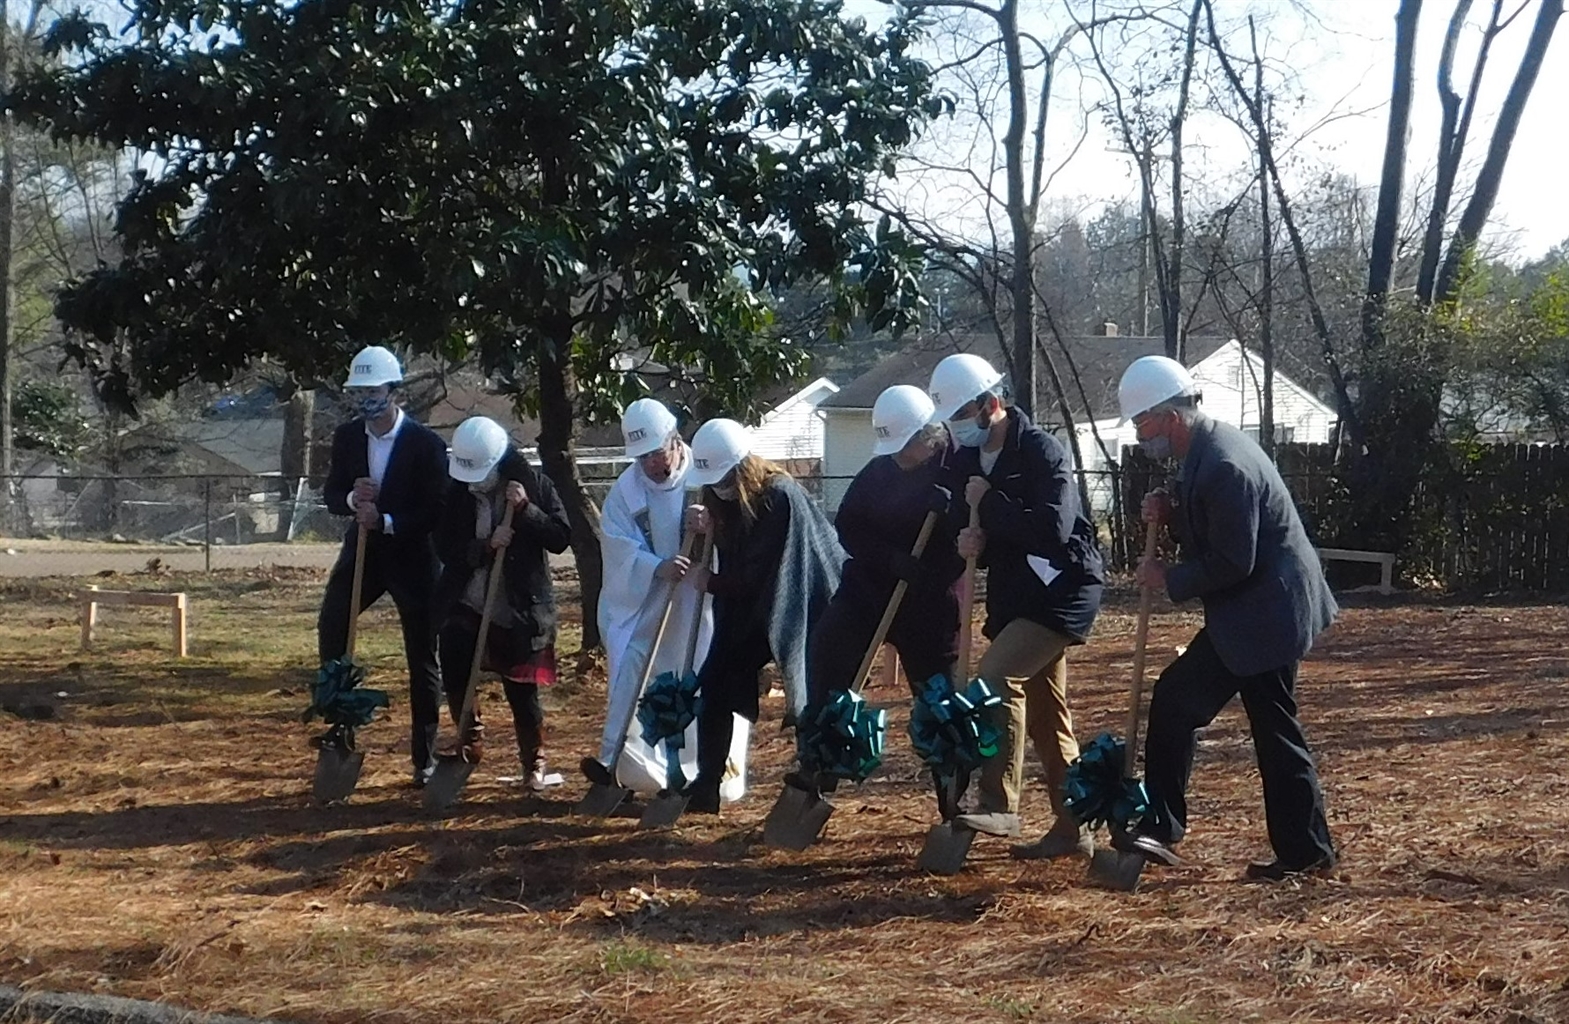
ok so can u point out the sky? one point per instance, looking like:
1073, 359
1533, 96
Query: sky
1342, 56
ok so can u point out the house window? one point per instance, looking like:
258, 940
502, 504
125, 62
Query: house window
1285, 435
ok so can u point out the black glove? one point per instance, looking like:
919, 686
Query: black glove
939, 499
907, 567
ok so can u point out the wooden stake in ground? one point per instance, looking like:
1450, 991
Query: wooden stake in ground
452, 773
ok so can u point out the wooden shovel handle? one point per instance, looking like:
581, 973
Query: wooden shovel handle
497, 571
700, 554
355, 590
893, 604
1140, 638
967, 607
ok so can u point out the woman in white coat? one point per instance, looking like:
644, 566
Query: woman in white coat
641, 525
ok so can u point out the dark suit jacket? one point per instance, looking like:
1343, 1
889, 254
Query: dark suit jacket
539, 529
1245, 554
411, 490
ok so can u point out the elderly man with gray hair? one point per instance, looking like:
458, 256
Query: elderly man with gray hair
1246, 556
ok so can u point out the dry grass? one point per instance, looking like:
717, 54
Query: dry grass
156, 841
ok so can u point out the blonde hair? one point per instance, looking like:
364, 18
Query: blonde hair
751, 477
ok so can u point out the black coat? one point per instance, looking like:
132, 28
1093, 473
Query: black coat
1032, 509
410, 491
540, 529
878, 519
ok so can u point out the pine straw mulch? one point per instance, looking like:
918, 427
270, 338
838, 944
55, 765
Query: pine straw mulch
156, 841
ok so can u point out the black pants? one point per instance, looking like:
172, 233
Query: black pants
728, 683
925, 633
408, 573
458, 636
1187, 697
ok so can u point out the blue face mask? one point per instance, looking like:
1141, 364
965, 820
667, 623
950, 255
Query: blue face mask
373, 406
1158, 447
968, 433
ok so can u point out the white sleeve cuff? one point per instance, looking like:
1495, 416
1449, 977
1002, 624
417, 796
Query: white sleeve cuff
353, 504
386, 523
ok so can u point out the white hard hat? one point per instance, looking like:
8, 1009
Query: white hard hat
478, 445
1151, 380
717, 448
899, 413
958, 380
373, 367
645, 425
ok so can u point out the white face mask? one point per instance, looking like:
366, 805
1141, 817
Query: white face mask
1158, 447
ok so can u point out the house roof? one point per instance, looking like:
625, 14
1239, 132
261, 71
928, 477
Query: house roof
1098, 360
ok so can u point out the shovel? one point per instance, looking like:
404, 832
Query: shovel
1120, 867
603, 798
798, 816
338, 764
666, 809
947, 845
452, 773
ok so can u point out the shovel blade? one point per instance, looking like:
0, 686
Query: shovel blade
946, 847
1115, 870
796, 820
445, 785
337, 773
663, 811
601, 801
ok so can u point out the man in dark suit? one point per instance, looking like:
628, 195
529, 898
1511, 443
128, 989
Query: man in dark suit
389, 473
1247, 557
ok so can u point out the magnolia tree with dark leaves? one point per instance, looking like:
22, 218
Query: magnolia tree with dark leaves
542, 185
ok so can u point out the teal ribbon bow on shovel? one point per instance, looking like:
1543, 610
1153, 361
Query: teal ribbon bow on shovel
842, 737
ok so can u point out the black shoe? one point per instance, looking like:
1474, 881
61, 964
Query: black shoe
702, 800
595, 771
1147, 846
1278, 871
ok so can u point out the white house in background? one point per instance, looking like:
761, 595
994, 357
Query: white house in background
1232, 380
792, 429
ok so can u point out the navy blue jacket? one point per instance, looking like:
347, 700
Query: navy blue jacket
1032, 509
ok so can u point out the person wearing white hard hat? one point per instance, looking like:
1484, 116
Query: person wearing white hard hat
1246, 556
489, 473
778, 566
384, 471
877, 521
640, 542
1043, 590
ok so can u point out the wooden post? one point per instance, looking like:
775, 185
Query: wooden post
179, 626
89, 616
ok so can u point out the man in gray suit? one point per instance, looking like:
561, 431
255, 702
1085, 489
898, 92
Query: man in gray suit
1247, 557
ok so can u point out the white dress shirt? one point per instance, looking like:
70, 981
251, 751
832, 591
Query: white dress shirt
378, 450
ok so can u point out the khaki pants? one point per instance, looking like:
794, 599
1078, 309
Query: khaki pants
1027, 667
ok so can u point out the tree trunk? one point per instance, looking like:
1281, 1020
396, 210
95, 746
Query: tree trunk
1386, 221
1490, 177
1171, 302
295, 456
1451, 144
7, 231
1022, 283
1266, 291
558, 393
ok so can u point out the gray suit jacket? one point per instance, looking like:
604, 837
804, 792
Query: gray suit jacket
1245, 554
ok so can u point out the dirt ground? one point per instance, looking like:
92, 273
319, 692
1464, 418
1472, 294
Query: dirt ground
157, 841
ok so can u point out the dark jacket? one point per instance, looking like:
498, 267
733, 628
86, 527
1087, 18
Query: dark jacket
1245, 554
1032, 509
540, 529
878, 521
410, 489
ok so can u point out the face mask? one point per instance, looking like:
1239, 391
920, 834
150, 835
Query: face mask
374, 406
968, 433
486, 485
1158, 447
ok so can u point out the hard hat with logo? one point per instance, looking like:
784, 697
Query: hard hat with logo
958, 380
1150, 380
478, 445
717, 448
373, 367
899, 412
645, 425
